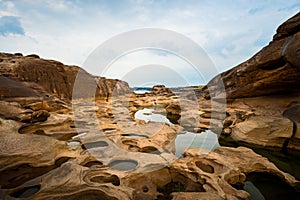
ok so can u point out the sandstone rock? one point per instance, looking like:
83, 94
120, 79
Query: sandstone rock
289, 27
273, 70
173, 109
161, 90
212, 175
10, 110
39, 116
53, 169
40, 105
227, 131
260, 121
44, 77
10, 88
293, 114
24, 157
33, 56
258, 92
195, 196
18, 54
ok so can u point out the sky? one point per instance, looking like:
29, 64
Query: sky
229, 32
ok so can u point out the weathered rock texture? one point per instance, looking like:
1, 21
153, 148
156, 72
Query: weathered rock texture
51, 168
62, 157
23, 76
260, 90
273, 70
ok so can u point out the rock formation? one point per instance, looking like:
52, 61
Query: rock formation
273, 70
29, 75
59, 164
260, 90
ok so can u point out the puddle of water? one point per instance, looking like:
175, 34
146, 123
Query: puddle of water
148, 116
96, 144
254, 192
266, 186
26, 192
123, 165
141, 91
206, 140
134, 136
73, 143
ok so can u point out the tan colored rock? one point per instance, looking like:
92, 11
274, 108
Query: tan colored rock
261, 121
259, 90
288, 27
161, 90
204, 174
62, 170
195, 196
40, 105
33, 76
39, 116
273, 70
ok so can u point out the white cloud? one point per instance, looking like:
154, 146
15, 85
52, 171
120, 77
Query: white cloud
68, 31
154, 64
8, 8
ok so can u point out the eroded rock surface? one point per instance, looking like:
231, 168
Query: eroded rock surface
273, 70
25, 76
260, 90
115, 156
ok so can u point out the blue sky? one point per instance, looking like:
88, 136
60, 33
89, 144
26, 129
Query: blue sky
229, 31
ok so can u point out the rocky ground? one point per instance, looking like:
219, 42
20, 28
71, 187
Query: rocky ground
57, 145
54, 155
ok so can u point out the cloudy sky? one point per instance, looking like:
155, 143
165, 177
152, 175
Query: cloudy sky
69, 31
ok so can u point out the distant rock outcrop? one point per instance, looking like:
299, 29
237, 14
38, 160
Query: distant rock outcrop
161, 90
23, 76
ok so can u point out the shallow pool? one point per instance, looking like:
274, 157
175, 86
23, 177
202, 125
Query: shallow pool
147, 115
189, 140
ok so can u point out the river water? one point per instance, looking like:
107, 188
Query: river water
259, 186
185, 140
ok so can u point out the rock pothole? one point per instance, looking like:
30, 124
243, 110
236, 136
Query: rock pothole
13, 177
205, 167
123, 165
93, 163
90, 145
113, 179
26, 192
88, 194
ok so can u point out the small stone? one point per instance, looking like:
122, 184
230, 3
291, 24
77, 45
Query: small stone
227, 131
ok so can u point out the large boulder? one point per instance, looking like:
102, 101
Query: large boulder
161, 90
266, 86
273, 70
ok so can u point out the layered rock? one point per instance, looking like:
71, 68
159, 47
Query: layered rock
103, 153
31, 76
161, 90
273, 70
85, 165
259, 92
